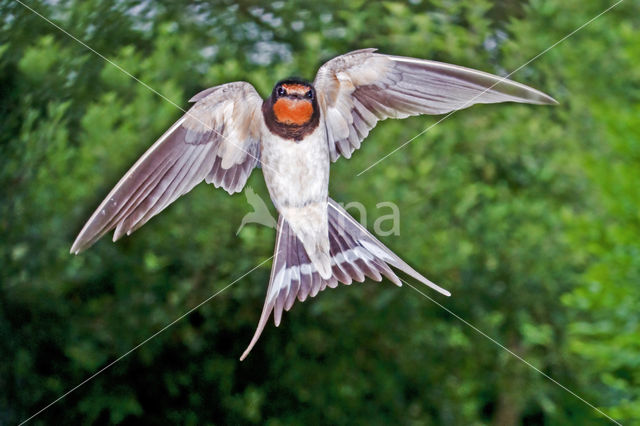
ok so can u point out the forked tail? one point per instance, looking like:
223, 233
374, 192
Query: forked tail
355, 254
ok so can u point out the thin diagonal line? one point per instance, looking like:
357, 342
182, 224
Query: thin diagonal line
146, 340
482, 333
188, 113
466, 104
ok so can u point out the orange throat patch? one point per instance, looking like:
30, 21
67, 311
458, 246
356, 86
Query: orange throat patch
293, 111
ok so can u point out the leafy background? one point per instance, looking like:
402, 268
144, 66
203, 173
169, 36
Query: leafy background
528, 214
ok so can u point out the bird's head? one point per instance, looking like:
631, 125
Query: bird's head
293, 102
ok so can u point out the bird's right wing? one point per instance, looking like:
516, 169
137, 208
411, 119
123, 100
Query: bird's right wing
217, 140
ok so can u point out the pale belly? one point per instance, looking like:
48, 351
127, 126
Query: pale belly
297, 176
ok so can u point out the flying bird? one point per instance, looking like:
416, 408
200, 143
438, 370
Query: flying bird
293, 136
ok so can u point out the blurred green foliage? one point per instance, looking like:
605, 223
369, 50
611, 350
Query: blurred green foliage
529, 215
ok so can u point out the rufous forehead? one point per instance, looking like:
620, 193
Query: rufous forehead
295, 89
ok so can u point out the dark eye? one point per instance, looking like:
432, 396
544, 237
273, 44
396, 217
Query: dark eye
280, 91
309, 95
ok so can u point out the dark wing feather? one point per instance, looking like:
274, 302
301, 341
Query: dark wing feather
358, 89
217, 141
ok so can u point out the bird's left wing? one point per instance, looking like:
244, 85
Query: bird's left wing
217, 140
357, 89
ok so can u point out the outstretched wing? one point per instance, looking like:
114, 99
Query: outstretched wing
217, 141
359, 88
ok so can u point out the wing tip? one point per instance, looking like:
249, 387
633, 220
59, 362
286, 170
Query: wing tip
540, 98
527, 93
77, 246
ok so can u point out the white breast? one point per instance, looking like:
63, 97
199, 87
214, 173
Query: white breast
296, 173
297, 176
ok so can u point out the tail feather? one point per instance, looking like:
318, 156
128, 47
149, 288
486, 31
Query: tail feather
354, 255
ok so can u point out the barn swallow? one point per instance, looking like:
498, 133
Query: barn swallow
294, 135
